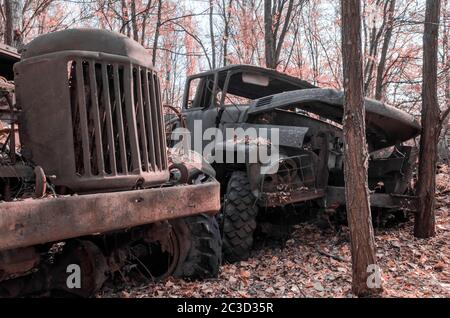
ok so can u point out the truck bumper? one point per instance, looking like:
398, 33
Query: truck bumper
33, 222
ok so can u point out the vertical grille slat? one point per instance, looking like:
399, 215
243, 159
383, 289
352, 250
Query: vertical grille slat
119, 116
155, 122
148, 119
96, 120
131, 120
140, 117
83, 117
109, 122
161, 123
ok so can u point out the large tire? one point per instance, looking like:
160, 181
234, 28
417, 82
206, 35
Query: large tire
238, 218
203, 256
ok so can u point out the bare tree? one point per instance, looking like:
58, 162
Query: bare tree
145, 18
125, 19
157, 32
134, 23
277, 20
310, 38
355, 153
224, 11
426, 186
9, 22
384, 50
211, 33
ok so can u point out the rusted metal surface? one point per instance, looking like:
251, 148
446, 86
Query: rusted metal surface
282, 198
32, 222
159, 252
173, 119
289, 136
102, 111
17, 262
54, 277
144, 253
8, 56
395, 171
8, 53
93, 269
16, 171
336, 196
385, 125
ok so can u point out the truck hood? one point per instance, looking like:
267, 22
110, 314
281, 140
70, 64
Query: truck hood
385, 125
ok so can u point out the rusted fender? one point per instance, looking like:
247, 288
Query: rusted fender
31, 222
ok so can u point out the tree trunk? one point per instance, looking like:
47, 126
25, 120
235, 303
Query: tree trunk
225, 44
144, 22
157, 30
356, 156
269, 41
277, 20
125, 19
134, 21
226, 31
445, 124
211, 33
287, 22
9, 22
387, 40
424, 225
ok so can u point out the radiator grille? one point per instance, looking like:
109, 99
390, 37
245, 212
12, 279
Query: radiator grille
116, 119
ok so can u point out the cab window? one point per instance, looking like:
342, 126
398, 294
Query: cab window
200, 92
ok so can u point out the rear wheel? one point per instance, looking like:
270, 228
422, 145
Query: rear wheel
238, 218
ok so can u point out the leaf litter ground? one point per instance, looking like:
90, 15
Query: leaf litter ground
316, 263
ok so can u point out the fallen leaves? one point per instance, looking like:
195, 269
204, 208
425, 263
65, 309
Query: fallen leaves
318, 286
232, 280
439, 266
410, 267
244, 274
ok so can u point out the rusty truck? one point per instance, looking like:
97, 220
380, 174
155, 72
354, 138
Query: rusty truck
85, 177
308, 120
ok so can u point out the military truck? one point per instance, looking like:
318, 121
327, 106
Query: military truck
85, 177
308, 121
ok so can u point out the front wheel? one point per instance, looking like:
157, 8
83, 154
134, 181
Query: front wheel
238, 218
203, 256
